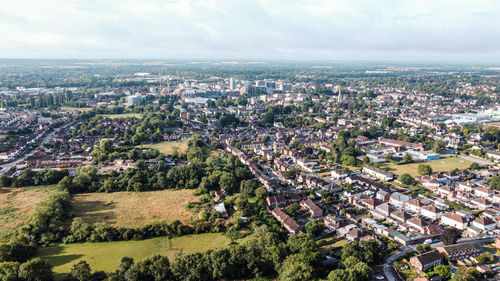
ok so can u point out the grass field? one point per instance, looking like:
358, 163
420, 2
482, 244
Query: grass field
121, 116
440, 165
133, 209
106, 255
16, 204
81, 109
170, 148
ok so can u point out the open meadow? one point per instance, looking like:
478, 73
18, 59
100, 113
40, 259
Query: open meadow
80, 109
134, 209
170, 148
16, 204
439, 165
106, 255
121, 116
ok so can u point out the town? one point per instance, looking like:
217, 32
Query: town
403, 160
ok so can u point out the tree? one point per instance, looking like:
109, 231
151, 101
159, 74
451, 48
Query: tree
494, 182
443, 271
9, 271
290, 174
295, 269
338, 275
292, 209
261, 192
420, 248
315, 227
424, 169
439, 146
247, 187
474, 166
407, 179
36, 270
485, 257
80, 271
450, 236
407, 158
125, 264
466, 274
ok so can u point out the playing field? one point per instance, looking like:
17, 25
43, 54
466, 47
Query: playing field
122, 115
134, 209
81, 109
16, 204
171, 147
440, 165
106, 255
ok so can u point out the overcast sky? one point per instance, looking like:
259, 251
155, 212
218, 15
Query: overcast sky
283, 29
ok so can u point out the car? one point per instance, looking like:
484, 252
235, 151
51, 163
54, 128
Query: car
375, 271
380, 277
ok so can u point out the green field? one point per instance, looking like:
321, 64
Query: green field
440, 165
170, 148
81, 109
16, 204
121, 116
106, 255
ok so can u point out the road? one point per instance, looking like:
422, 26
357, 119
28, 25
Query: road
389, 271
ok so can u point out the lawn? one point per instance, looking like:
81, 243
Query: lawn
439, 165
170, 148
81, 109
122, 115
106, 255
133, 209
16, 204
491, 248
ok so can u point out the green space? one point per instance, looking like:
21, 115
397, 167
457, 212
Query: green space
122, 115
439, 165
491, 248
170, 147
16, 204
81, 109
106, 255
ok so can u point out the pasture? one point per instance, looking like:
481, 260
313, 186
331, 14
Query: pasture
439, 165
16, 204
134, 209
81, 109
170, 148
106, 255
121, 116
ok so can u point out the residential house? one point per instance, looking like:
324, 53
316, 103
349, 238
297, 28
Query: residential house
460, 251
454, 220
427, 260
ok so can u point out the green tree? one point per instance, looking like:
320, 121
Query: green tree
294, 268
314, 228
443, 271
407, 179
424, 169
36, 270
9, 271
407, 158
261, 192
494, 182
80, 271
450, 236
247, 187
438, 147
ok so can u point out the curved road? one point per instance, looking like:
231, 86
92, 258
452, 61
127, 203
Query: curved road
389, 271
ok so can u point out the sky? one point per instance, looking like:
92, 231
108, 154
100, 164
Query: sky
257, 29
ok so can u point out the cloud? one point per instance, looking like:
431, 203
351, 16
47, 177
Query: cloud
321, 29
